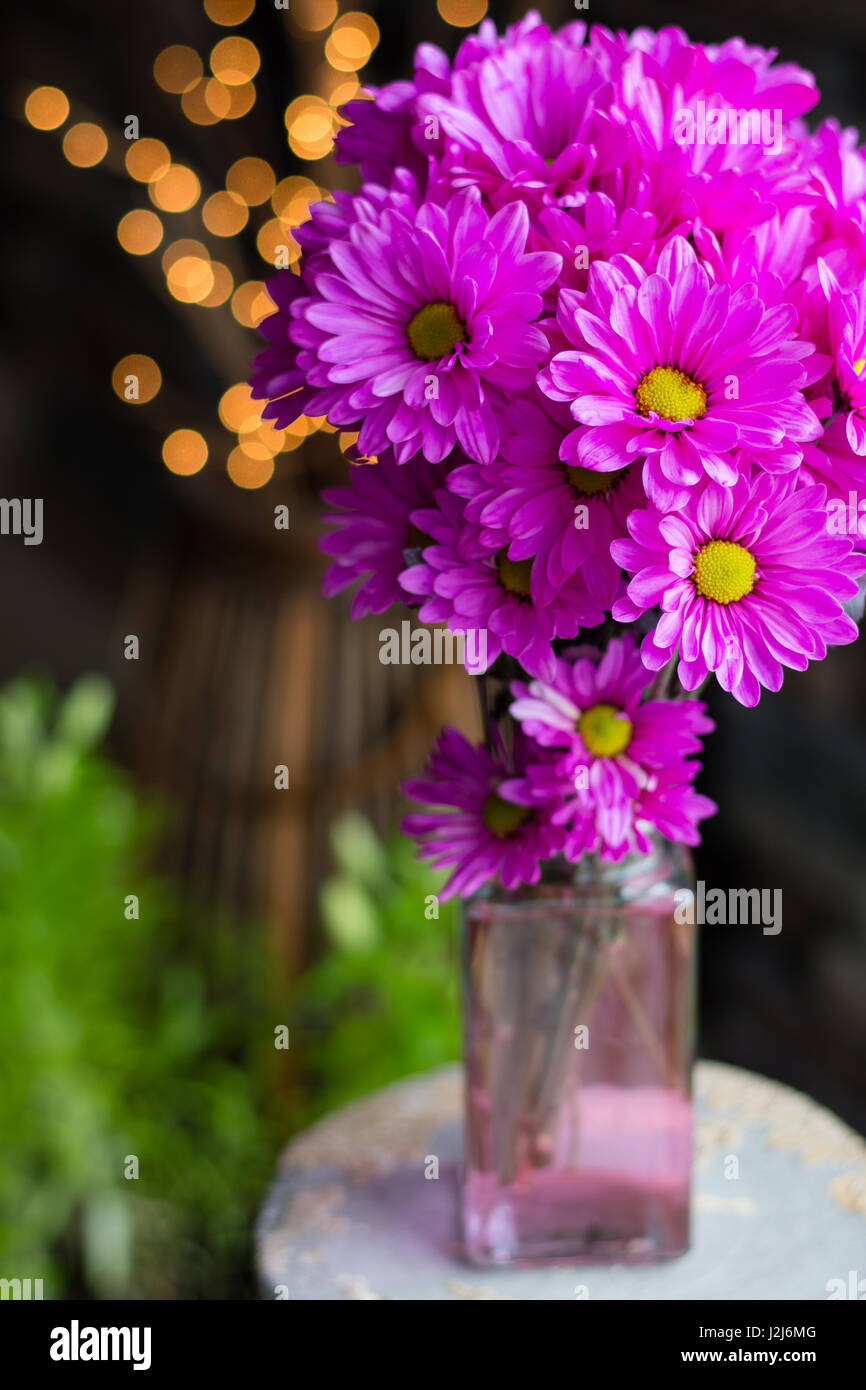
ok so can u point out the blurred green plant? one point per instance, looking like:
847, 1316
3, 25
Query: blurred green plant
382, 1001
135, 1038
128, 1043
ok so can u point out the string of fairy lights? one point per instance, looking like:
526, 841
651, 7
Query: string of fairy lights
223, 89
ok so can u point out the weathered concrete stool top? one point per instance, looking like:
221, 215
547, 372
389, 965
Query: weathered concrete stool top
355, 1211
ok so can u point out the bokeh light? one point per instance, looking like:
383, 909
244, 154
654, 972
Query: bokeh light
276, 245
248, 472
147, 159
263, 442
228, 11
85, 144
235, 60
177, 68
237, 409
139, 232
46, 108
241, 99
462, 13
336, 87
223, 284
224, 215
184, 246
314, 15
190, 279
351, 41
291, 199
184, 452
251, 303
177, 191
136, 379
251, 179
310, 125
195, 104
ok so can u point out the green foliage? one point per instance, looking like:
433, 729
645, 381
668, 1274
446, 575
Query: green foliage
121, 1037
382, 1002
148, 1039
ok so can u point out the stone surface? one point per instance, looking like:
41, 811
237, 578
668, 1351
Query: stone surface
350, 1214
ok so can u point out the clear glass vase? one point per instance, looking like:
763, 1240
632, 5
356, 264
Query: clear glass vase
578, 1044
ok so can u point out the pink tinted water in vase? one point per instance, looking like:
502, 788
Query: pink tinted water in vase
578, 1003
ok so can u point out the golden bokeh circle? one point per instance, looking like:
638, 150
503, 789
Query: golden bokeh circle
46, 108
462, 14
223, 284
177, 191
228, 12
139, 232
235, 60
248, 472
237, 409
148, 378
251, 179
177, 68
184, 452
251, 303
224, 215
147, 159
190, 279
85, 144
314, 15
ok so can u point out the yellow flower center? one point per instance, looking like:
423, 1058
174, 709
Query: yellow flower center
434, 331
671, 394
859, 365
514, 574
588, 481
605, 730
724, 571
503, 817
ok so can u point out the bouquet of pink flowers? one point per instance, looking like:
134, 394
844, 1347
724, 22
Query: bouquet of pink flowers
598, 315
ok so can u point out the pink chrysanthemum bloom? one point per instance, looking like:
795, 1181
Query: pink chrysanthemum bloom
832, 462
418, 321
463, 582
526, 122
387, 130
681, 370
563, 515
373, 530
719, 117
847, 327
748, 578
838, 160
482, 825
625, 767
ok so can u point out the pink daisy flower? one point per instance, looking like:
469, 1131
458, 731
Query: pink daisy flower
748, 579
832, 462
479, 824
563, 515
373, 530
420, 318
625, 767
463, 582
387, 130
848, 343
681, 370
526, 122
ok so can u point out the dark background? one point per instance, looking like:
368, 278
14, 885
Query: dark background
242, 665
